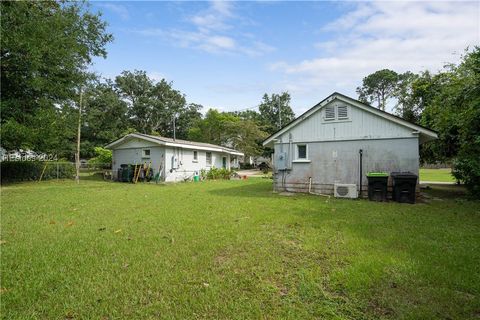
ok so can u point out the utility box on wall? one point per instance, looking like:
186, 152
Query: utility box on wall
174, 162
281, 161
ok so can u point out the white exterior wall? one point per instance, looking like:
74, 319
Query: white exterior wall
339, 162
333, 150
360, 125
130, 152
186, 166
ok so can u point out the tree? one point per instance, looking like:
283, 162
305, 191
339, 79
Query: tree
275, 111
215, 127
45, 50
228, 129
454, 112
186, 119
378, 86
152, 106
247, 137
104, 119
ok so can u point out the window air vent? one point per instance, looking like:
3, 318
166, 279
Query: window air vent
330, 113
342, 112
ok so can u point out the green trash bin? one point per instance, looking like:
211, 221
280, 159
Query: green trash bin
196, 176
377, 186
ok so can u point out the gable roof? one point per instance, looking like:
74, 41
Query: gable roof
425, 133
169, 142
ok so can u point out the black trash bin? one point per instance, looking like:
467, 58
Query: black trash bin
377, 186
126, 174
120, 174
404, 185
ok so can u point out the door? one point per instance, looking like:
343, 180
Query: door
224, 162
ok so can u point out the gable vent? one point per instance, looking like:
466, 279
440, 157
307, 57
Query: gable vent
330, 113
342, 112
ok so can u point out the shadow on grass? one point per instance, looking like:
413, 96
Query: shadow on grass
249, 190
446, 191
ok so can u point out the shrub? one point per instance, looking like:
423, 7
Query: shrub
466, 168
103, 158
216, 173
12, 171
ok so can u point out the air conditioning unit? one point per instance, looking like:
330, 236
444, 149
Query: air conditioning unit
345, 190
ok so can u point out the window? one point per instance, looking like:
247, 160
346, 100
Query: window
195, 156
342, 112
146, 153
209, 158
302, 151
330, 113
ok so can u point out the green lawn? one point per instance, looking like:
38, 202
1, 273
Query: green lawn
437, 175
233, 250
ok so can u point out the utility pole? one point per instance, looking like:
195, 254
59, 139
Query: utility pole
77, 155
279, 112
174, 129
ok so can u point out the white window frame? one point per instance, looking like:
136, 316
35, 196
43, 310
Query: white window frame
208, 163
144, 155
195, 156
297, 158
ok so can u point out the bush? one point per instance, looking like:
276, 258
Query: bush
466, 168
216, 173
12, 171
103, 158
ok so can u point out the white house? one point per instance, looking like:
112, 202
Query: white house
176, 160
337, 139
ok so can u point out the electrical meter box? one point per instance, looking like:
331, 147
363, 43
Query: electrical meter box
174, 162
281, 161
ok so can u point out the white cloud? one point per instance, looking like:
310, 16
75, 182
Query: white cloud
213, 32
397, 35
118, 9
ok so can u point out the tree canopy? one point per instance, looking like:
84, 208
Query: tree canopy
45, 49
447, 102
378, 87
275, 111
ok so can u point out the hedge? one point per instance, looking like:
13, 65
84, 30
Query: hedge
12, 171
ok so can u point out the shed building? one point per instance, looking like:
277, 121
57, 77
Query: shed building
322, 147
176, 160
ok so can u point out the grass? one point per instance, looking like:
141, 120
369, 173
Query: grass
233, 250
437, 175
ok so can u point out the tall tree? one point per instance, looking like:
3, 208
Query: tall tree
378, 86
186, 119
247, 137
104, 118
214, 128
275, 111
45, 49
152, 105
454, 112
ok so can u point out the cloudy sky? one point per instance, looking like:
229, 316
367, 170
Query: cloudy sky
225, 55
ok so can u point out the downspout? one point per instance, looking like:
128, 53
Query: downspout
360, 152
290, 157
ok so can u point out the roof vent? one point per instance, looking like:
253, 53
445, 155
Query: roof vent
342, 112
330, 113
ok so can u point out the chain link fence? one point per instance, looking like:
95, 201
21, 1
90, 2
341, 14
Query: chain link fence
16, 171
